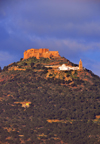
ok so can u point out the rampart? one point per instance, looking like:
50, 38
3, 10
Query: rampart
38, 53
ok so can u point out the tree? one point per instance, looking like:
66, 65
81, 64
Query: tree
21, 59
24, 63
14, 64
5, 68
32, 65
0, 69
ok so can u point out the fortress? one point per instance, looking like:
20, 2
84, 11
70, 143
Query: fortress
43, 52
38, 53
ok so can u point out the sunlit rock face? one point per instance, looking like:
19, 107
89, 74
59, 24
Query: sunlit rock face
43, 52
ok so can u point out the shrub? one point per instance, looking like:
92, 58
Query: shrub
45, 71
0, 69
21, 59
24, 63
32, 64
14, 64
5, 68
20, 66
38, 66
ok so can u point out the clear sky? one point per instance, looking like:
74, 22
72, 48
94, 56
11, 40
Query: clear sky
71, 27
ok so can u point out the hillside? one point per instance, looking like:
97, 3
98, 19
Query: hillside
62, 107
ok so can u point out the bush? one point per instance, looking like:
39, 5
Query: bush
20, 66
45, 71
21, 59
5, 68
44, 60
14, 64
38, 66
27, 70
24, 63
32, 64
0, 69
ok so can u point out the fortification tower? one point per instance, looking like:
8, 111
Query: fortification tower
80, 65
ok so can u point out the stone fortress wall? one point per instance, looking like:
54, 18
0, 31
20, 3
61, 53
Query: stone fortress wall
42, 52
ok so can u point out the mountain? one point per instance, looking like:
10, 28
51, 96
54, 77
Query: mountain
40, 104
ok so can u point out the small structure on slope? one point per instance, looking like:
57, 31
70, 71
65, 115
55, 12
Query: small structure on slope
80, 65
63, 67
24, 104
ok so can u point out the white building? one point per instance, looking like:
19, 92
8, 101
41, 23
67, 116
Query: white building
63, 67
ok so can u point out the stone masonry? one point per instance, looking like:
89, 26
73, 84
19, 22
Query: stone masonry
38, 53
80, 65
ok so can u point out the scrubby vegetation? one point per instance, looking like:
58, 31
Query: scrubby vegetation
63, 109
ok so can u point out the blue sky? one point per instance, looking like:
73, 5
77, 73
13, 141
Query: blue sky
71, 27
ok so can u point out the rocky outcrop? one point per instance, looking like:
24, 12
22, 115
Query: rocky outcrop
38, 53
15, 68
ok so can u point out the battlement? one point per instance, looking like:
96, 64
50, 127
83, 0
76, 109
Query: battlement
42, 52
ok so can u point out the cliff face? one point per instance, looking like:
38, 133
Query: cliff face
40, 53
